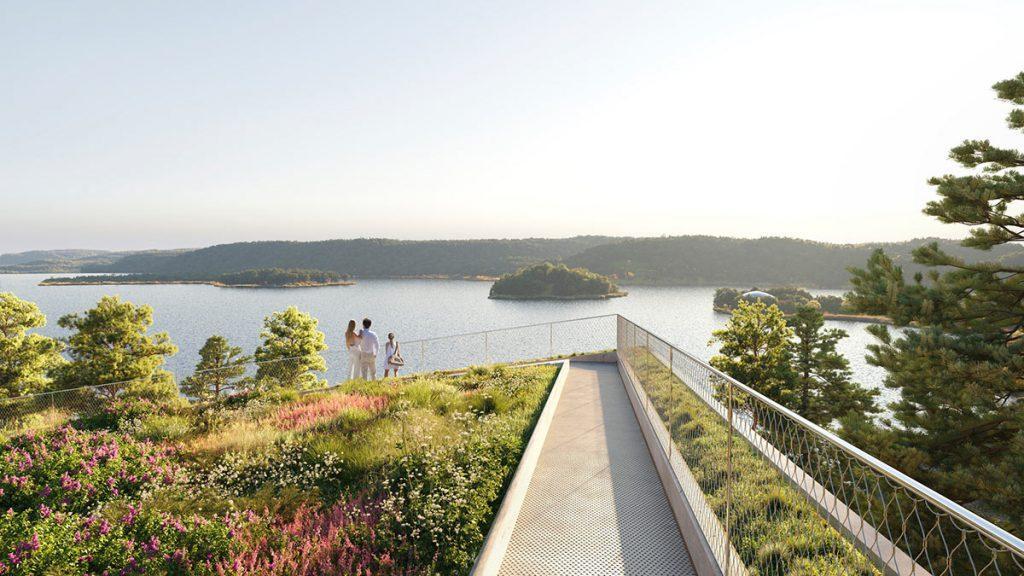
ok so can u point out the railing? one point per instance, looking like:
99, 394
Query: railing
512, 344
773, 493
452, 352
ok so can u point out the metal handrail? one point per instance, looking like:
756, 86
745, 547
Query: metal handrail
998, 534
508, 328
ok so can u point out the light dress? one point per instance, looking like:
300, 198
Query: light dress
354, 356
389, 351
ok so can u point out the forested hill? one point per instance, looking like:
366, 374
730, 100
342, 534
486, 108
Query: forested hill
717, 261
678, 260
361, 257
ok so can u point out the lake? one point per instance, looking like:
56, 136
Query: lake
413, 309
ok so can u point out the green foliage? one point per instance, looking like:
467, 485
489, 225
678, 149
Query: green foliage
793, 362
86, 502
110, 344
719, 261
789, 299
362, 257
776, 531
280, 277
755, 349
443, 499
131, 543
823, 386
220, 370
262, 278
290, 352
289, 463
549, 280
958, 365
72, 471
26, 360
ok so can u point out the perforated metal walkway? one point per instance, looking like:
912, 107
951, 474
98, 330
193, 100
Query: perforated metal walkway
594, 504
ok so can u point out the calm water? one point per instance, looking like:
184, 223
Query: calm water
413, 309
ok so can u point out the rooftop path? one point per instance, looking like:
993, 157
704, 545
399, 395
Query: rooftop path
594, 504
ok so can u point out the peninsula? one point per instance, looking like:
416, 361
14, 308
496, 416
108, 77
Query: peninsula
257, 278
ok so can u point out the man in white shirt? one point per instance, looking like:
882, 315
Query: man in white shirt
369, 345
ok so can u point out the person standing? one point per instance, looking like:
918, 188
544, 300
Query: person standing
369, 346
392, 356
354, 354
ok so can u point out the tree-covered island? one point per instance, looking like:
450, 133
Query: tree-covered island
790, 300
258, 278
549, 281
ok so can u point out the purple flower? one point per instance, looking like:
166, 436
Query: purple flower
132, 514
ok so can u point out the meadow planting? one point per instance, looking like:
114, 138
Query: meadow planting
387, 477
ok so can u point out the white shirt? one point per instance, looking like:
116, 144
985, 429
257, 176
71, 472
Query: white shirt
368, 343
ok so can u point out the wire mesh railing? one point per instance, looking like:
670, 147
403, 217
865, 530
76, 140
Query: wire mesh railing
453, 352
512, 344
773, 493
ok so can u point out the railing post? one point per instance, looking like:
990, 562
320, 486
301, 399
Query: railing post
728, 489
632, 349
671, 398
423, 356
551, 340
487, 353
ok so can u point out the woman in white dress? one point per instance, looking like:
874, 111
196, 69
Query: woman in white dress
392, 356
352, 345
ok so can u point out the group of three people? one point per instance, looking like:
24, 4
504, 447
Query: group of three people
363, 348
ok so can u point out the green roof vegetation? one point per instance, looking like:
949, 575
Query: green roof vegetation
777, 530
385, 477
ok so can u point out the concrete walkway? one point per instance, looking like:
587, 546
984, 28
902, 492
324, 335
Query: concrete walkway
594, 504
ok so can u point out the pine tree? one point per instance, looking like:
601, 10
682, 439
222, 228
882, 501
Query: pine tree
220, 370
959, 368
110, 345
823, 386
26, 360
755, 349
290, 353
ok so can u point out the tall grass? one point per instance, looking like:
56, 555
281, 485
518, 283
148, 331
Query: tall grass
775, 530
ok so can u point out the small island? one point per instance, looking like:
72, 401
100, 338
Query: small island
549, 281
789, 300
257, 278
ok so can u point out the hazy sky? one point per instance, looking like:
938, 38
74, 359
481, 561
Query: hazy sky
144, 124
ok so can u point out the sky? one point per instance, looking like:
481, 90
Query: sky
136, 125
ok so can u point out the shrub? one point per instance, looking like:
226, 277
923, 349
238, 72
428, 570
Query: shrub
442, 501
135, 542
126, 413
342, 539
289, 463
74, 471
164, 427
319, 410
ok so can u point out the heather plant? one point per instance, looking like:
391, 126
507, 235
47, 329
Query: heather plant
133, 542
127, 413
267, 490
341, 539
320, 410
73, 471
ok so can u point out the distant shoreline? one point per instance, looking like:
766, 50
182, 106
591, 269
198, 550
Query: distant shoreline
130, 282
831, 316
619, 294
